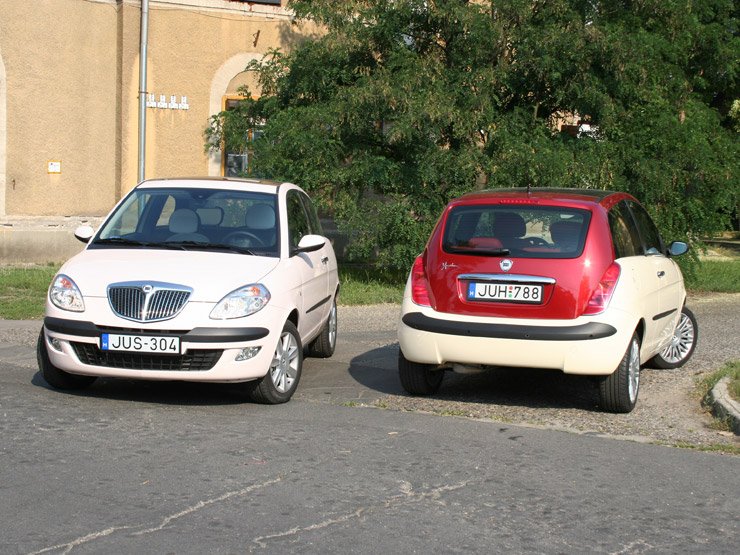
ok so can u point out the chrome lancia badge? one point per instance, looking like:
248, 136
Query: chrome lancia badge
446, 265
506, 264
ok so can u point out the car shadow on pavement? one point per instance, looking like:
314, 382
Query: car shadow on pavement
154, 392
522, 387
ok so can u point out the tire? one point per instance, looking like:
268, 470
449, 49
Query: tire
618, 391
682, 345
284, 373
323, 346
417, 378
56, 378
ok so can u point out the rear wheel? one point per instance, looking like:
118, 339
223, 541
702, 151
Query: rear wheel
55, 377
618, 391
417, 378
281, 380
323, 346
682, 344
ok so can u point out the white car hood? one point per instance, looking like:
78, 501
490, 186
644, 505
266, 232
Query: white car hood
211, 275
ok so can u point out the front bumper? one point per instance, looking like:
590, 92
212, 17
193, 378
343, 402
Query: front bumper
587, 346
207, 354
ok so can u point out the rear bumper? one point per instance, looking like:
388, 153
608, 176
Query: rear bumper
585, 346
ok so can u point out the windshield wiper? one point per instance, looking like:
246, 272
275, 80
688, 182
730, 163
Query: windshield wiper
198, 245
124, 241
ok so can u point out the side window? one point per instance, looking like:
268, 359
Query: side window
297, 220
648, 232
624, 234
313, 218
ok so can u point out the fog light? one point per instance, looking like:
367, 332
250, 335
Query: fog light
56, 344
247, 353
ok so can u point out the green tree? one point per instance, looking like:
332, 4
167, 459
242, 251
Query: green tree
405, 104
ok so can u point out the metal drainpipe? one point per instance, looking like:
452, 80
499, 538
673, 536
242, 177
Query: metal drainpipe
142, 86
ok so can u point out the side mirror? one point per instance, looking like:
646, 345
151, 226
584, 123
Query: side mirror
309, 243
677, 248
84, 233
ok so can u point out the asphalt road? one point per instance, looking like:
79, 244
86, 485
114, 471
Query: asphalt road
132, 467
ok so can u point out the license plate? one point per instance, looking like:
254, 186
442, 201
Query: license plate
512, 292
139, 343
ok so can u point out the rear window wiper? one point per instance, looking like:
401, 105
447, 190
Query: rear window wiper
477, 251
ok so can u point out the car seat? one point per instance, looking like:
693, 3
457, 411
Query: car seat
509, 228
261, 222
184, 224
566, 235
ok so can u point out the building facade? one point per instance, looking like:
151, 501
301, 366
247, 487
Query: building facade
69, 102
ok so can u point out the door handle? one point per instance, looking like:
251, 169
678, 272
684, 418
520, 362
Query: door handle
324, 259
661, 273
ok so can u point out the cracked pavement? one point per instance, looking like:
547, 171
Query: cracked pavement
140, 467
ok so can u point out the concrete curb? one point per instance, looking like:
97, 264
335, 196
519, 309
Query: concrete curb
726, 407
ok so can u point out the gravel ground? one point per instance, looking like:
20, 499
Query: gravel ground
668, 411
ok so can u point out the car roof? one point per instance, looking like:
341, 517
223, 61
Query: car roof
233, 183
548, 195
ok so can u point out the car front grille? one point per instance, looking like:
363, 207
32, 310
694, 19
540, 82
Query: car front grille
147, 302
195, 360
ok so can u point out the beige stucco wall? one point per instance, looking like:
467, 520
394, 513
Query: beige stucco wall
60, 74
71, 75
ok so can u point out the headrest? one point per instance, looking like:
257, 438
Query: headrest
508, 225
210, 216
183, 220
261, 216
565, 232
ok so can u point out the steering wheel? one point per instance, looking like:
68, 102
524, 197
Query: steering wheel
238, 238
537, 242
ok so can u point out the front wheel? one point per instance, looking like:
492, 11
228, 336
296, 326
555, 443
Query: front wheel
618, 391
54, 376
417, 378
682, 345
281, 380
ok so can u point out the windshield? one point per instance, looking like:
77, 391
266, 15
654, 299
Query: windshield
525, 231
194, 219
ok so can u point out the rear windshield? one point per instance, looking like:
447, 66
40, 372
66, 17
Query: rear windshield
524, 231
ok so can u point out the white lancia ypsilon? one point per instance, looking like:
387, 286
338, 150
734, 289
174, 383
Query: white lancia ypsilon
207, 280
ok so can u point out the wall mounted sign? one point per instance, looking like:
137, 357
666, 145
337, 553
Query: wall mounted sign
162, 103
54, 166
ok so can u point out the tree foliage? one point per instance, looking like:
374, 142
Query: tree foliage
404, 104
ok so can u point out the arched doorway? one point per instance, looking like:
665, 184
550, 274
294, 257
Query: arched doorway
222, 80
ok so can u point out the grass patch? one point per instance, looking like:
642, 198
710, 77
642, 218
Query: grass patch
362, 286
23, 291
721, 276
731, 370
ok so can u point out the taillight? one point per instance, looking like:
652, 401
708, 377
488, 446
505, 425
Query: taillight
419, 283
604, 291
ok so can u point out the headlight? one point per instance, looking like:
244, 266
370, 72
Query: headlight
64, 294
242, 302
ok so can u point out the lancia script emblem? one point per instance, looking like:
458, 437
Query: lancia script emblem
446, 265
506, 264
